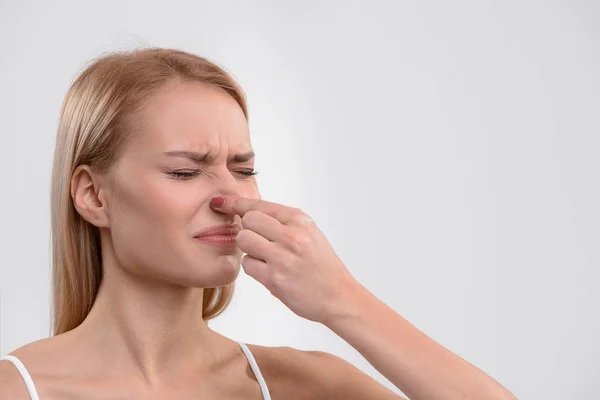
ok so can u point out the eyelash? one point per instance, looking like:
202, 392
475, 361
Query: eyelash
186, 174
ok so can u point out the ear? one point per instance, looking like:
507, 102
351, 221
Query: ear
87, 195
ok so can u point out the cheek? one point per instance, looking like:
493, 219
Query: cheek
159, 204
180, 203
149, 223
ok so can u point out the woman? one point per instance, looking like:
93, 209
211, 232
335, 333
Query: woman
143, 257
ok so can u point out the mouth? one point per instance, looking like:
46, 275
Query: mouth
219, 235
218, 240
219, 230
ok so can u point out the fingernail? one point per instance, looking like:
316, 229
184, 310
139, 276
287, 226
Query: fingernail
217, 201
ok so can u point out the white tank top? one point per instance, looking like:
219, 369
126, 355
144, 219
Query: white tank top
34, 396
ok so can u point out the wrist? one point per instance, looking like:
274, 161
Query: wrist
349, 303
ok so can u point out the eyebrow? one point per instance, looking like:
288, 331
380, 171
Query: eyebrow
202, 157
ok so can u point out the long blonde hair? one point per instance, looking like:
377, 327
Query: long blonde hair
97, 114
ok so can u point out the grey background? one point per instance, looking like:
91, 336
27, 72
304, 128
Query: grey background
448, 150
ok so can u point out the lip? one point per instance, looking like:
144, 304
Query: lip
225, 230
218, 240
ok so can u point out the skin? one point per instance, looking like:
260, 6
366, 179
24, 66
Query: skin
145, 337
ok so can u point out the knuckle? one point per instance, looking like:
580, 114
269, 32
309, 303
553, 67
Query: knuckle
276, 280
298, 241
288, 261
301, 218
291, 238
302, 240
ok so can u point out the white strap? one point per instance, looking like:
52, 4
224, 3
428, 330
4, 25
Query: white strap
34, 396
256, 370
26, 377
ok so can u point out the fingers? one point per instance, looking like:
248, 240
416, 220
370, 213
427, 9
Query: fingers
257, 269
241, 205
264, 225
252, 243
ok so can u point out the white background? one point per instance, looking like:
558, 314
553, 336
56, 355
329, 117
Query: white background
448, 150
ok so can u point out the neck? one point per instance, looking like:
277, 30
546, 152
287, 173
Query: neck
155, 328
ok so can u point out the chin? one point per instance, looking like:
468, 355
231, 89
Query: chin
221, 273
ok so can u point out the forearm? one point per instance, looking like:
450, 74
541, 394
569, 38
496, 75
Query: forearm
417, 365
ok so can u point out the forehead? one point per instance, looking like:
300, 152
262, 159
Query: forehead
192, 116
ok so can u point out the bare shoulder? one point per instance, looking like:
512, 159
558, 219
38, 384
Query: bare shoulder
12, 385
309, 374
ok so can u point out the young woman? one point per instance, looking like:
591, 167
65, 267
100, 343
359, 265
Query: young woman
143, 257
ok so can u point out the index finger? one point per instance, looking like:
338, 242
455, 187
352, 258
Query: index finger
241, 205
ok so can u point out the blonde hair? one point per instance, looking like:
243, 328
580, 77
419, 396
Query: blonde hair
97, 115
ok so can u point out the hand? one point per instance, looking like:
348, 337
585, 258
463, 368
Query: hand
288, 254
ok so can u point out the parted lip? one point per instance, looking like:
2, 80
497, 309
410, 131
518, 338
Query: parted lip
221, 230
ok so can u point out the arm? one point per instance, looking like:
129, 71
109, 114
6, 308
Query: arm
293, 259
417, 365
341, 380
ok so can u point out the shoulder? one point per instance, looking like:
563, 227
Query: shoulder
314, 374
12, 385
33, 356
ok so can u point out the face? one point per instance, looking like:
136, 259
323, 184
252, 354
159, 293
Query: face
157, 202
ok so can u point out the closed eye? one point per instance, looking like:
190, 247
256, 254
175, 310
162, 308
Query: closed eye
179, 174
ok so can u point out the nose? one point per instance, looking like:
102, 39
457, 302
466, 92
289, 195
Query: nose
228, 185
